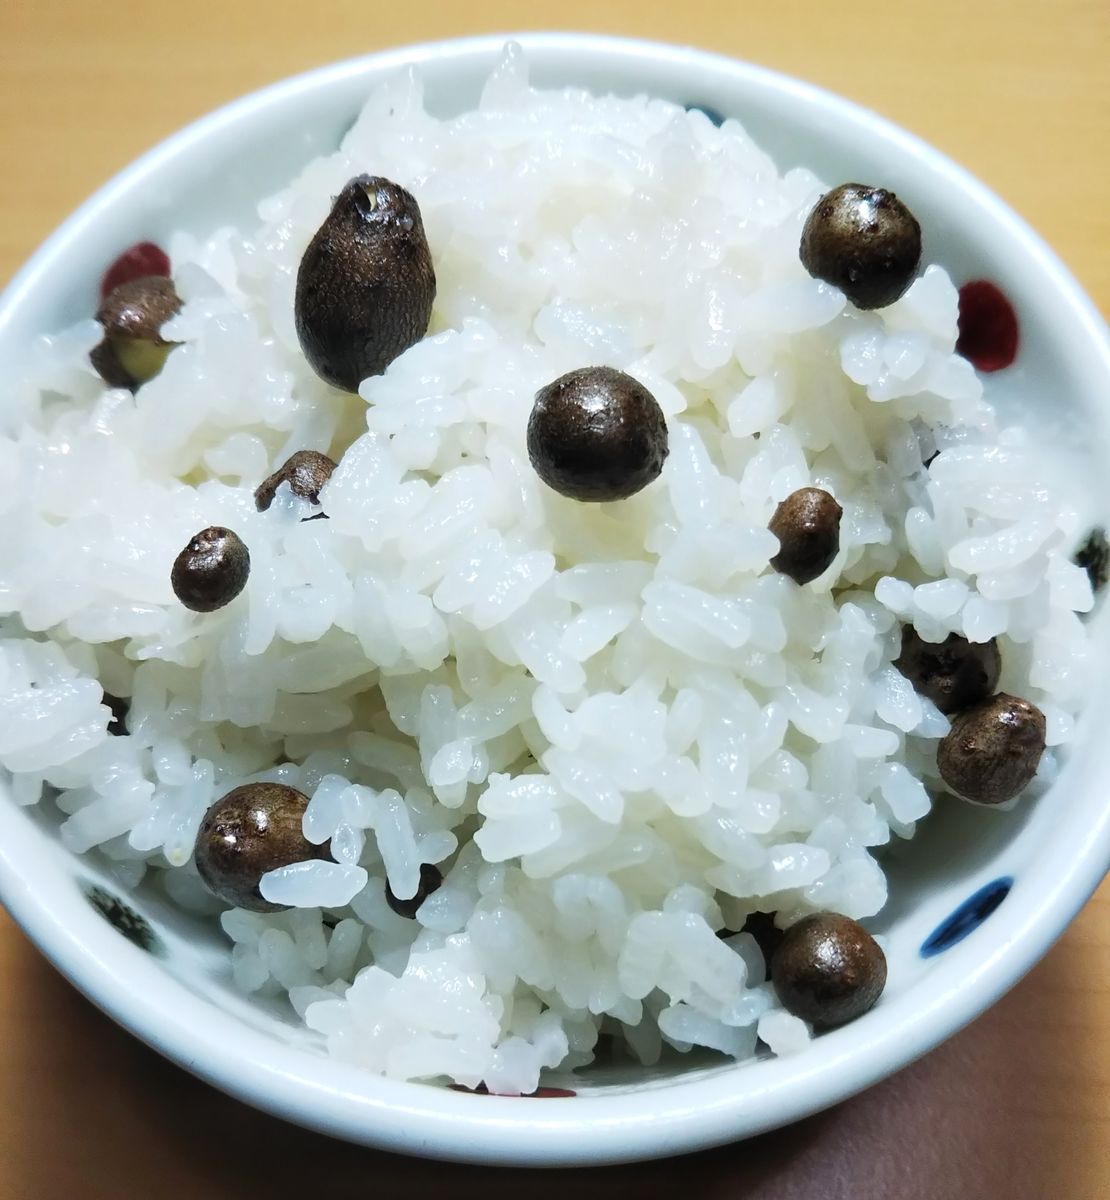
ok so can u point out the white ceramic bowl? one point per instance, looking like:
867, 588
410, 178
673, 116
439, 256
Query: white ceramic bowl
177, 994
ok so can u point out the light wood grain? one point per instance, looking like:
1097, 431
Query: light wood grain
1018, 1106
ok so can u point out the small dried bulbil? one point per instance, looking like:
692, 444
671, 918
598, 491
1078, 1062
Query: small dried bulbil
305, 472
254, 829
954, 674
864, 241
430, 879
807, 525
993, 749
133, 350
828, 969
366, 283
212, 569
597, 434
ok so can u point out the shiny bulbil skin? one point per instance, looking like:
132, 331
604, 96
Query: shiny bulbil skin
254, 829
828, 969
807, 525
212, 569
597, 434
954, 674
305, 471
864, 241
132, 314
993, 749
366, 283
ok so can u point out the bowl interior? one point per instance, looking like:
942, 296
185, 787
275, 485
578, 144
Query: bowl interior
139, 956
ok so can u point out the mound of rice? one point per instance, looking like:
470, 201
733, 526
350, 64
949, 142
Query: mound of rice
615, 729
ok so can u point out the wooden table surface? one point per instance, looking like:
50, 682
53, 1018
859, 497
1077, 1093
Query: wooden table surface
1017, 1106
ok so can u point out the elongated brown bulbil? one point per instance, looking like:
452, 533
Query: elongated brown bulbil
366, 283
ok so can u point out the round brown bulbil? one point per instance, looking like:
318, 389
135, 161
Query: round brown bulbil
954, 674
305, 471
864, 241
597, 434
993, 749
212, 569
366, 283
253, 829
807, 525
828, 969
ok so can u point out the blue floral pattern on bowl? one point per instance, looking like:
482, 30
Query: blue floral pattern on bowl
716, 117
968, 917
122, 917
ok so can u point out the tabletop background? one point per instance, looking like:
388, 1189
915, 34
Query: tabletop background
1018, 1105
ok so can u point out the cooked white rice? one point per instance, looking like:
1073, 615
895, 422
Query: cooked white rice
616, 730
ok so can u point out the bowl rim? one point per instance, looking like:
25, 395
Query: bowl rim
686, 1114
